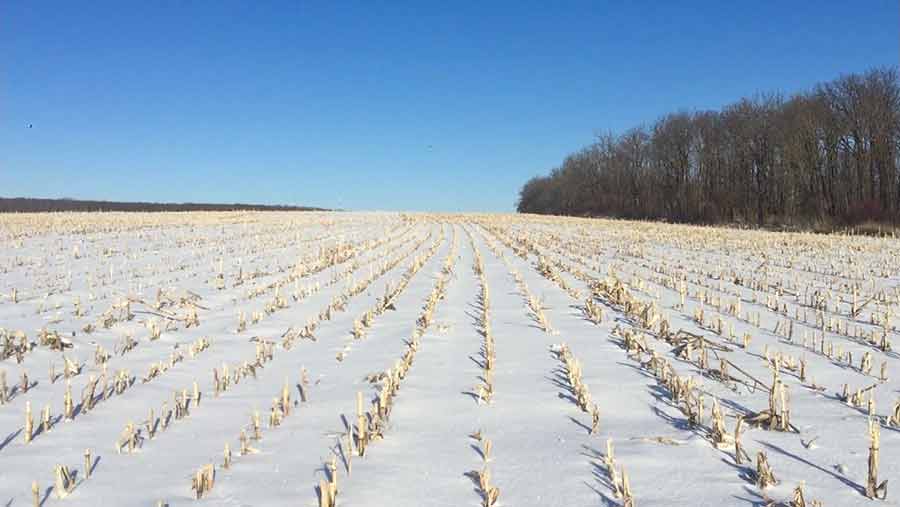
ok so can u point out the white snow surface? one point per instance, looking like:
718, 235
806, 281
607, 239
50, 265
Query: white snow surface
68, 269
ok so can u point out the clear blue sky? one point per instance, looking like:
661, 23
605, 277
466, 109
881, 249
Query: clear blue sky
337, 103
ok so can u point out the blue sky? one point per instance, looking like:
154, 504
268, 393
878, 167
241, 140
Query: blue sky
380, 105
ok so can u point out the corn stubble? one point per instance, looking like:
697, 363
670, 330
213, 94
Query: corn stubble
846, 324
372, 423
619, 478
488, 492
874, 489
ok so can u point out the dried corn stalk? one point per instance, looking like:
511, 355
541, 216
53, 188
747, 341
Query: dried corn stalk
874, 489
764, 475
65, 483
203, 480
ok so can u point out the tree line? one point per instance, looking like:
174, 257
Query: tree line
828, 155
33, 205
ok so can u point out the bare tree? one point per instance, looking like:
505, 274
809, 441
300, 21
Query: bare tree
828, 156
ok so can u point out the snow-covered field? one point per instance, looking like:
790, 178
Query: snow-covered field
446, 360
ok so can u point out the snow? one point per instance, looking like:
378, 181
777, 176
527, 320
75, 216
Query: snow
543, 452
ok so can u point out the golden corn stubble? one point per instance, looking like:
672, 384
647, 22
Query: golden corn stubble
286, 397
64, 482
873, 488
595, 419
764, 475
486, 446
627, 496
29, 422
4, 390
894, 419
349, 454
245, 444
489, 493
333, 478
325, 499
257, 427
150, 423
87, 464
739, 454
45, 419
203, 480
719, 433
361, 425
129, 439
610, 458
165, 416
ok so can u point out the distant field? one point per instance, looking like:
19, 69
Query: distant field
450, 360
